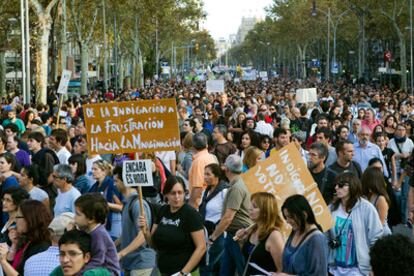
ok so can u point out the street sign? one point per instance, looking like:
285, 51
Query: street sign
388, 56
64, 82
335, 68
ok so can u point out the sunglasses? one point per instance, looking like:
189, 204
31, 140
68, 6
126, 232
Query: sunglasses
342, 184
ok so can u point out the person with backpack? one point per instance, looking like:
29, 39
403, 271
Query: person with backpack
44, 157
135, 256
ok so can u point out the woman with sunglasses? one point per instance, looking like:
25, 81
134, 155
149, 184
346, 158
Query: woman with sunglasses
357, 227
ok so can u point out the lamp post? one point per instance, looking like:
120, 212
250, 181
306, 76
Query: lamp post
24, 25
328, 39
411, 47
334, 29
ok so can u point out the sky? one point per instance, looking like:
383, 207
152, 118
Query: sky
224, 16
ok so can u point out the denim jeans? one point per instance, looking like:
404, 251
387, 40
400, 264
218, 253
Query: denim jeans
402, 197
233, 259
215, 253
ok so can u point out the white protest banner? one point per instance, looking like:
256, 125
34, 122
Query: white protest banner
284, 174
137, 173
263, 75
215, 86
64, 82
306, 95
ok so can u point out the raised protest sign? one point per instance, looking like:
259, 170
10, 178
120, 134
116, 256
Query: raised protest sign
64, 82
306, 95
263, 75
137, 173
284, 174
125, 127
215, 86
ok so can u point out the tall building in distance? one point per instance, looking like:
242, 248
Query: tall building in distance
247, 24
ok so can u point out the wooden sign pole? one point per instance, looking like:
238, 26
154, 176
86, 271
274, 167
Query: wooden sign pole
60, 107
141, 202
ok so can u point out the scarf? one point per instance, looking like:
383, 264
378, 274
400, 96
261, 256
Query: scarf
203, 206
108, 186
400, 140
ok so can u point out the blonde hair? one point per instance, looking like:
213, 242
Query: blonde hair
269, 218
105, 166
250, 158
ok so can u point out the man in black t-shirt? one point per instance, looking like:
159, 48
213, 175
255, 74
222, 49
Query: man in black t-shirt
345, 152
318, 153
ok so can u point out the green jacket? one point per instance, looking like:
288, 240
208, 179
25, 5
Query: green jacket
92, 272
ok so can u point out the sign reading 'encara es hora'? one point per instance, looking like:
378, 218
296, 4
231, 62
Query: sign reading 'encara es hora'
124, 127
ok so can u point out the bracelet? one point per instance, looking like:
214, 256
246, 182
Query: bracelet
183, 273
210, 239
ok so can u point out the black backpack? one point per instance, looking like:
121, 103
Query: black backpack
154, 209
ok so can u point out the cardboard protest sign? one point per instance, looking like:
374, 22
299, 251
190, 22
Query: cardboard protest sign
215, 86
64, 82
124, 127
306, 95
137, 173
284, 174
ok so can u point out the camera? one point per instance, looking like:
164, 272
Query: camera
334, 243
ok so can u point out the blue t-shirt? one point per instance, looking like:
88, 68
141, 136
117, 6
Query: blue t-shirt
65, 202
309, 258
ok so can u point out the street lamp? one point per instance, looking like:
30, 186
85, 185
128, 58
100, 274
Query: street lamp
334, 28
314, 13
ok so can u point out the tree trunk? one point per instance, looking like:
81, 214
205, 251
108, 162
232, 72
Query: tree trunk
121, 72
361, 45
134, 73
105, 47
403, 61
84, 68
2, 73
141, 69
64, 41
42, 58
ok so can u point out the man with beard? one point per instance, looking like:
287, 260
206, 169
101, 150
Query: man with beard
365, 150
317, 156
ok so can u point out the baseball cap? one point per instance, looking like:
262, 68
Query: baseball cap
59, 223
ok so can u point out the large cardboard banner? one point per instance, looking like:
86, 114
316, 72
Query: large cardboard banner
284, 174
135, 126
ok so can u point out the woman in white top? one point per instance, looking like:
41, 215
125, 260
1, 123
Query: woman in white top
211, 210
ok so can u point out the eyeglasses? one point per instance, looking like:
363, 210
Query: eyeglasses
70, 254
342, 184
266, 142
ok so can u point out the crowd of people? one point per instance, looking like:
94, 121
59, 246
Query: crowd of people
68, 212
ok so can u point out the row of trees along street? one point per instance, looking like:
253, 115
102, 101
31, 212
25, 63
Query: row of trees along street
356, 37
135, 34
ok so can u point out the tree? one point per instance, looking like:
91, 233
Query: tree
84, 26
44, 20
